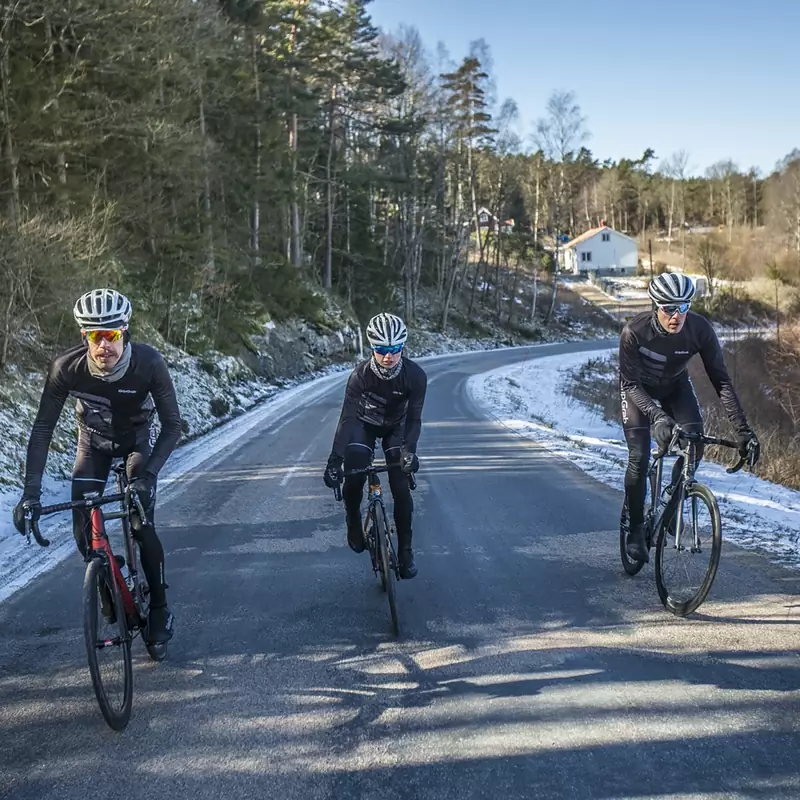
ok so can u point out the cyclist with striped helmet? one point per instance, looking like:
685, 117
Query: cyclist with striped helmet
118, 385
383, 400
654, 352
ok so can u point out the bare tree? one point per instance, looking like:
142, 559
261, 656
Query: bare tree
711, 253
726, 175
675, 168
558, 136
784, 200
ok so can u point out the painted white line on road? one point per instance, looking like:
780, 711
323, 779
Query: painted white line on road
288, 476
299, 462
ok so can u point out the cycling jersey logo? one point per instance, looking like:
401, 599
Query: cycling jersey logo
624, 402
127, 391
681, 352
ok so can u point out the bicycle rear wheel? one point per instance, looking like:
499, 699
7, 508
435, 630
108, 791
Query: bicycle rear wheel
108, 644
629, 565
387, 570
684, 576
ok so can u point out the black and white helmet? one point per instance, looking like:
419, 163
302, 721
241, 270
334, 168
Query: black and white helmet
102, 309
671, 287
386, 330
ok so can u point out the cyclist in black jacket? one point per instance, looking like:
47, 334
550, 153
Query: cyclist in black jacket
383, 400
654, 351
118, 386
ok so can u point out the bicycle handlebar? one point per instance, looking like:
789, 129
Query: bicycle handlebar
337, 490
700, 438
32, 527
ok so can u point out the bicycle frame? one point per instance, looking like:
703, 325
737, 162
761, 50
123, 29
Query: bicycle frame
97, 544
675, 505
100, 547
683, 445
375, 495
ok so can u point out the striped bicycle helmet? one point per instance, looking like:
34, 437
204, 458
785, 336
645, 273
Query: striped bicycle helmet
102, 309
671, 287
386, 330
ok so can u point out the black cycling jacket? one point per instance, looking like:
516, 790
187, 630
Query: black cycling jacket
651, 362
384, 404
119, 412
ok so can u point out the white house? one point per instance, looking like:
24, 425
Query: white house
603, 251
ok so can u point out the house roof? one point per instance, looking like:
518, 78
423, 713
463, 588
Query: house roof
590, 233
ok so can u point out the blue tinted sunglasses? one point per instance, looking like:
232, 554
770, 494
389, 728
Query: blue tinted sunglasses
672, 308
391, 350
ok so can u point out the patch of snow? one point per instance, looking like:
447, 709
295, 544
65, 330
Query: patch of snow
528, 398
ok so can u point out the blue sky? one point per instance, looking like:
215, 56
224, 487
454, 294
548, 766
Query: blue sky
717, 78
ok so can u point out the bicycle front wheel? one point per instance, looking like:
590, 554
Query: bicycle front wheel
108, 644
686, 565
387, 568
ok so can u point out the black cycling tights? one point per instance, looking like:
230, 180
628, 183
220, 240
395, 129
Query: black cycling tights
90, 473
359, 454
681, 405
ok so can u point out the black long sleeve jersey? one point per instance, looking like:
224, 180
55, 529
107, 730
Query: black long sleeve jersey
117, 412
384, 404
651, 362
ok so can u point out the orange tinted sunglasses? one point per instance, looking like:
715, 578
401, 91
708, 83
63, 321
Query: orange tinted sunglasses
95, 337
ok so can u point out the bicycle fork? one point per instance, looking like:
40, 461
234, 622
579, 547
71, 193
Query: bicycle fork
696, 545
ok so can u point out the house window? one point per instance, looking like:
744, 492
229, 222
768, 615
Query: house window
606, 237
586, 256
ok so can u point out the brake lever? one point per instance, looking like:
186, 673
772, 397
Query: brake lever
33, 527
737, 466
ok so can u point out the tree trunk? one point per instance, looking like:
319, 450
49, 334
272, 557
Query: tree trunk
151, 225
14, 204
671, 215
552, 307
256, 223
327, 280
296, 246
61, 159
211, 260
535, 294
536, 209
514, 287
454, 274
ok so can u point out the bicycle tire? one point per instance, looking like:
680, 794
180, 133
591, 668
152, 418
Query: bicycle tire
682, 609
387, 571
97, 575
629, 565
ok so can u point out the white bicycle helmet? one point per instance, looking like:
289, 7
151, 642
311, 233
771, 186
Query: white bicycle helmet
102, 309
671, 287
386, 330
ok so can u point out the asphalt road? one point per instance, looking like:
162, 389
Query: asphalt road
529, 665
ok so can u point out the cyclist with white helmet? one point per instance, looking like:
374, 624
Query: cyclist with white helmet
383, 400
654, 351
118, 385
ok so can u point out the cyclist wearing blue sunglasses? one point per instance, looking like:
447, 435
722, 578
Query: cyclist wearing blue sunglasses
654, 352
383, 400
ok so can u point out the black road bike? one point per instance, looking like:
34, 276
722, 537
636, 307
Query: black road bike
683, 522
379, 535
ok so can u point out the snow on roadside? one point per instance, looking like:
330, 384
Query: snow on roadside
528, 398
